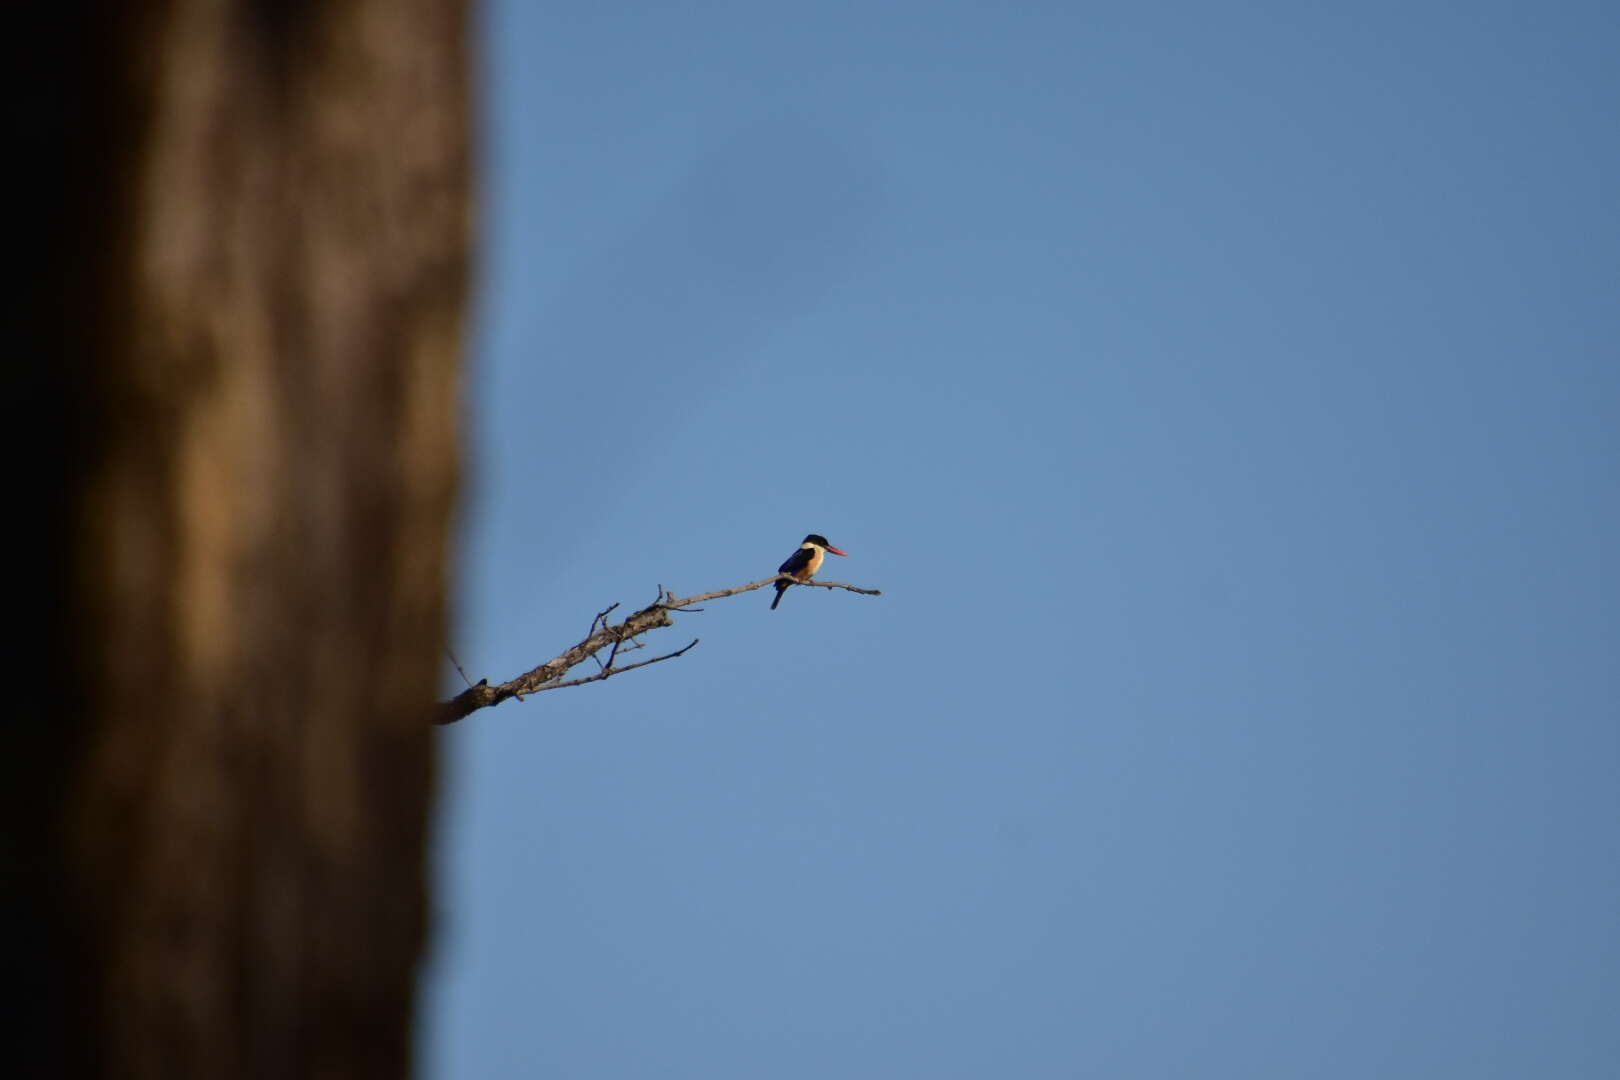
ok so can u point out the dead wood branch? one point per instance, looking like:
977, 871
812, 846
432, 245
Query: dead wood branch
609, 636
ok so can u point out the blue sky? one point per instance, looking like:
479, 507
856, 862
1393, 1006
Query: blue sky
1224, 398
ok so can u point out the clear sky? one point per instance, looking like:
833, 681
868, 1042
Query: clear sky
1225, 398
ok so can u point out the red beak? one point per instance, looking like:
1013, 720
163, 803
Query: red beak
835, 551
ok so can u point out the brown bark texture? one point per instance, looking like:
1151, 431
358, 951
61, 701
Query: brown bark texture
251, 222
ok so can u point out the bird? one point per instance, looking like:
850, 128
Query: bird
804, 563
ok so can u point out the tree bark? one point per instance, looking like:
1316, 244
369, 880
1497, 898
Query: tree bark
250, 231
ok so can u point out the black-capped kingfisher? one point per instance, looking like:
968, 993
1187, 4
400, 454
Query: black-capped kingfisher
804, 563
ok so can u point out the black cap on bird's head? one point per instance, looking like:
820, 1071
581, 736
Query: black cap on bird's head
821, 542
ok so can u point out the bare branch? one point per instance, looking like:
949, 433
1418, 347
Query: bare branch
605, 635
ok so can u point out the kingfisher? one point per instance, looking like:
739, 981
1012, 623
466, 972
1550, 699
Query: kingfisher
804, 563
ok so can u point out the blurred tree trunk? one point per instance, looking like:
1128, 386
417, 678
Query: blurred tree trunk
240, 346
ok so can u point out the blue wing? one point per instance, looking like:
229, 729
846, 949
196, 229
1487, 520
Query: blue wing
796, 562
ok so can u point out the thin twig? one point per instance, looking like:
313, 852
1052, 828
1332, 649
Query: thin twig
601, 617
457, 664
610, 670
752, 585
